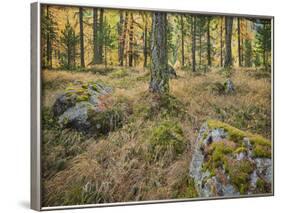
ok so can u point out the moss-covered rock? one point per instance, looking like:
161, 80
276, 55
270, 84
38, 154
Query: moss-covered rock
84, 107
228, 161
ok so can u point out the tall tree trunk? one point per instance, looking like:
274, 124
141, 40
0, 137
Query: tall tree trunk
120, 42
82, 61
159, 82
221, 41
49, 44
193, 43
200, 45
242, 51
265, 59
131, 40
95, 36
209, 43
105, 48
101, 36
228, 36
182, 41
238, 40
145, 44
124, 38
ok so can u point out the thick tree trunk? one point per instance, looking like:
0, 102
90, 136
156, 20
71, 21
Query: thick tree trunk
95, 36
120, 42
228, 36
239, 44
209, 43
182, 41
159, 82
82, 61
221, 41
131, 40
193, 33
145, 45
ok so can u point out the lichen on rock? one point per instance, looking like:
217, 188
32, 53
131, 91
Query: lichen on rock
84, 107
226, 162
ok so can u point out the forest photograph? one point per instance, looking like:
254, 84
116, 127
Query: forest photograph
141, 105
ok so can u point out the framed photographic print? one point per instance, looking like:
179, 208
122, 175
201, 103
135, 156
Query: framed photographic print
138, 105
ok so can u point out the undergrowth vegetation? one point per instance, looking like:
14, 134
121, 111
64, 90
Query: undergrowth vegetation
148, 156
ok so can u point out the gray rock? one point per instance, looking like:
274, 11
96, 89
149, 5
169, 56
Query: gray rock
77, 116
62, 103
264, 168
229, 86
220, 183
87, 114
241, 156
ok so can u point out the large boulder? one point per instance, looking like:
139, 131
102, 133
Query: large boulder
230, 162
85, 107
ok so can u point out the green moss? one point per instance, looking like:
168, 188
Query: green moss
190, 191
239, 173
217, 157
80, 91
262, 151
261, 146
94, 87
166, 139
120, 73
69, 88
240, 149
261, 186
82, 98
85, 86
106, 121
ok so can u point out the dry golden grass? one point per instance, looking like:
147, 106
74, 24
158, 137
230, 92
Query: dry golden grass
120, 159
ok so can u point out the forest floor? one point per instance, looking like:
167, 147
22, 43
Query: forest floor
119, 166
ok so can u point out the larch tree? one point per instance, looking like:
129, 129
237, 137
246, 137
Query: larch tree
100, 36
209, 57
193, 34
48, 35
221, 41
182, 41
228, 38
95, 36
120, 42
159, 82
123, 39
263, 38
82, 60
145, 39
131, 40
68, 42
239, 42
